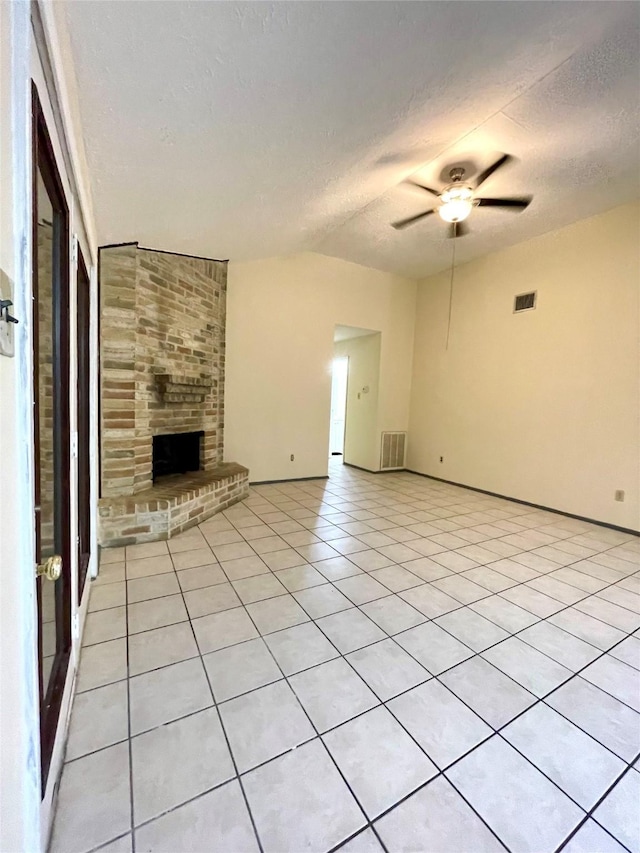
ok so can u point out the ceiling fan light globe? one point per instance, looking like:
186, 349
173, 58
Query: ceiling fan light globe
456, 192
457, 201
455, 210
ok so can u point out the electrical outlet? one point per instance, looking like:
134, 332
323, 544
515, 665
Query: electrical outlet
442, 458
618, 495
292, 457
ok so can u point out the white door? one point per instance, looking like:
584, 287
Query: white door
338, 404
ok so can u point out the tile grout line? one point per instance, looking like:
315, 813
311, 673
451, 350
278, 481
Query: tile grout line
129, 740
383, 704
304, 710
320, 736
317, 734
222, 726
536, 547
440, 771
313, 726
496, 732
357, 607
539, 620
590, 815
484, 740
339, 655
421, 584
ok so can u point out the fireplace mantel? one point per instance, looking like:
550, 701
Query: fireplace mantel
174, 388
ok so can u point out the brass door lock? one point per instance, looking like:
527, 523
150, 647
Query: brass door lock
51, 569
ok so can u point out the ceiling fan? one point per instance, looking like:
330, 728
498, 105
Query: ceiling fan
457, 199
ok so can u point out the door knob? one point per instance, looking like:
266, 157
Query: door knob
51, 569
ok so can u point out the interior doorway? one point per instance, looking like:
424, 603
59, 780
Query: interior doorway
339, 380
355, 439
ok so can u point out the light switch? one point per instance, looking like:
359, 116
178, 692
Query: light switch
6, 328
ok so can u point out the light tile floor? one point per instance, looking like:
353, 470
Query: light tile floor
365, 663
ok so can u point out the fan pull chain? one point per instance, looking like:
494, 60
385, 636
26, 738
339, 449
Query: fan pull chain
453, 262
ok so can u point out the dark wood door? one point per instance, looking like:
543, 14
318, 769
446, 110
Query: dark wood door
83, 401
52, 454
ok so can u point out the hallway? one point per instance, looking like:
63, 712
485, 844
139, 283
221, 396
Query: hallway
378, 662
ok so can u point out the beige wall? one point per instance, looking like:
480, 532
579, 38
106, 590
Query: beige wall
281, 315
541, 406
361, 435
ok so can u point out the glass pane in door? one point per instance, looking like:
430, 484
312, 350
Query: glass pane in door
45, 436
51, 429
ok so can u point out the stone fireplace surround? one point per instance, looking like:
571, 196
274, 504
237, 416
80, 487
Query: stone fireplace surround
162, 358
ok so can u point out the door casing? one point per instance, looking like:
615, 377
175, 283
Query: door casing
83, 416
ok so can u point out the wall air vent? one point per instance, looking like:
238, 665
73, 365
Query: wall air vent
392, 449
525, 302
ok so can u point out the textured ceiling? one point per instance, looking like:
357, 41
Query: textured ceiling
248, 130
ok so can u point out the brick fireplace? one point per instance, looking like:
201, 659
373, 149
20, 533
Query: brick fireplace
162, 351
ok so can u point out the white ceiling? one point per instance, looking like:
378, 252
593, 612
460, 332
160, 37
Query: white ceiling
248, 130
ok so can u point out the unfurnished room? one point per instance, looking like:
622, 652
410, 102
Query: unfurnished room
320, 426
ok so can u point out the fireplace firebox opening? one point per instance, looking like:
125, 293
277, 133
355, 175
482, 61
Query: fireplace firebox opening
176, 453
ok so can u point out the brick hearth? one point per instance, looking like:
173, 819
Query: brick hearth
172, 505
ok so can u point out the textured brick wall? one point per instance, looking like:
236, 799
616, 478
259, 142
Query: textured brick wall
118, 333
160, 314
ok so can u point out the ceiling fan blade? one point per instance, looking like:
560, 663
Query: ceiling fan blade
457, 229
404, 223
422, 187
514, 203
482, 177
